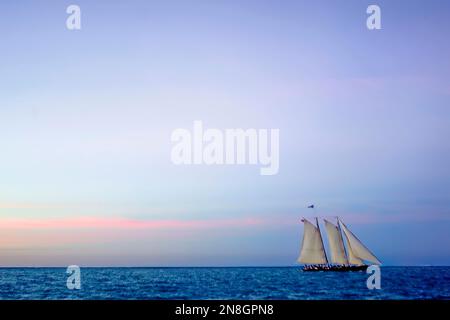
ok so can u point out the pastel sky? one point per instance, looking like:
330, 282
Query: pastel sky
86, 119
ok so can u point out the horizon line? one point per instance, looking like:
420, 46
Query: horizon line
237, 266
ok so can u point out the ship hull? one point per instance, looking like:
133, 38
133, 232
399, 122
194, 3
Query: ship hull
316, 268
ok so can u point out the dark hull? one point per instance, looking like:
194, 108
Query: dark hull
333, 268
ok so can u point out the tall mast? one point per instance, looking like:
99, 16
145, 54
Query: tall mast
340, 233
323, 246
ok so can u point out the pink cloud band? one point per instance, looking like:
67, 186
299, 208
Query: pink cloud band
123, 223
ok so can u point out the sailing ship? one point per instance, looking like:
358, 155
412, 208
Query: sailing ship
351, 257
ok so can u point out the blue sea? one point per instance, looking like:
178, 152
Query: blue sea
224, 283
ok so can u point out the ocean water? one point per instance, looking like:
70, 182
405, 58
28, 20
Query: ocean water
223, 283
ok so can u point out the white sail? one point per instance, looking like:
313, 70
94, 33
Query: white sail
312, 251
336, 243
356, 248
352, 259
